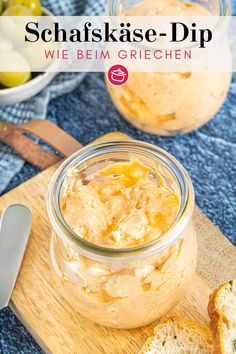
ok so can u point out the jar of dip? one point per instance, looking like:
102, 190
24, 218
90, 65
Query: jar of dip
123, 243
168, 103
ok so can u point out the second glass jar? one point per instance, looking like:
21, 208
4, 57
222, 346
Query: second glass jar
170, 103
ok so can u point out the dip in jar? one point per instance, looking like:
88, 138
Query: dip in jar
123, 244
170, 103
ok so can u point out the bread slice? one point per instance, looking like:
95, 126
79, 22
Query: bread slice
175, 335
222, 312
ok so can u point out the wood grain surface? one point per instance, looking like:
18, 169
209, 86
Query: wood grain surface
52, 321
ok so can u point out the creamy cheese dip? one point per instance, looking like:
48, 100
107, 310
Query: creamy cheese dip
170, 103
124, 205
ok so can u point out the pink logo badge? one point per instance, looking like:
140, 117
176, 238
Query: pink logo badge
118, 75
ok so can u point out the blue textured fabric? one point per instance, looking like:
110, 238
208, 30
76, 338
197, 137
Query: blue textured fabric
87, 112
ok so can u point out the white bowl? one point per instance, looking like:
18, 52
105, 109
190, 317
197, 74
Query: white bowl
30, 88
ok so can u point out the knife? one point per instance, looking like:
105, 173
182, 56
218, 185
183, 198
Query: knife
15, 226
19, 138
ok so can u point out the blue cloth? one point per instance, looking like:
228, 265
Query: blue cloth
87, 112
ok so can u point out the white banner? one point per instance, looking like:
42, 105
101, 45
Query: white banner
140, 44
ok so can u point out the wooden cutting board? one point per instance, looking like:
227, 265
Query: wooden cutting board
53, 322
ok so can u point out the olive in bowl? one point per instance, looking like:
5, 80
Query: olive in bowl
19, 86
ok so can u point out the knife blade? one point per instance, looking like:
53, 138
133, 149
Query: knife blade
15, 228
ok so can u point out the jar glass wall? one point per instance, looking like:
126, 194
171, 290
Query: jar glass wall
171, 103
131, 286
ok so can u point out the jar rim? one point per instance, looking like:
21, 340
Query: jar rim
225, 8
120, 254
224, 5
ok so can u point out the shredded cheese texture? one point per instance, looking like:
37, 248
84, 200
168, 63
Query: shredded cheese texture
121, 206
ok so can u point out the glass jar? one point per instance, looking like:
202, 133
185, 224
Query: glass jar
122, 287
168, 103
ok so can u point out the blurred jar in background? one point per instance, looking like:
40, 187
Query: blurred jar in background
170, 103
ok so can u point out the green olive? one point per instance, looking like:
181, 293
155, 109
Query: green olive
12, 79
1, 7
17, 10
10, 62
13, 28
33, 5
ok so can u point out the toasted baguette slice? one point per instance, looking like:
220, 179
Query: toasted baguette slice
178, 335
222, 312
